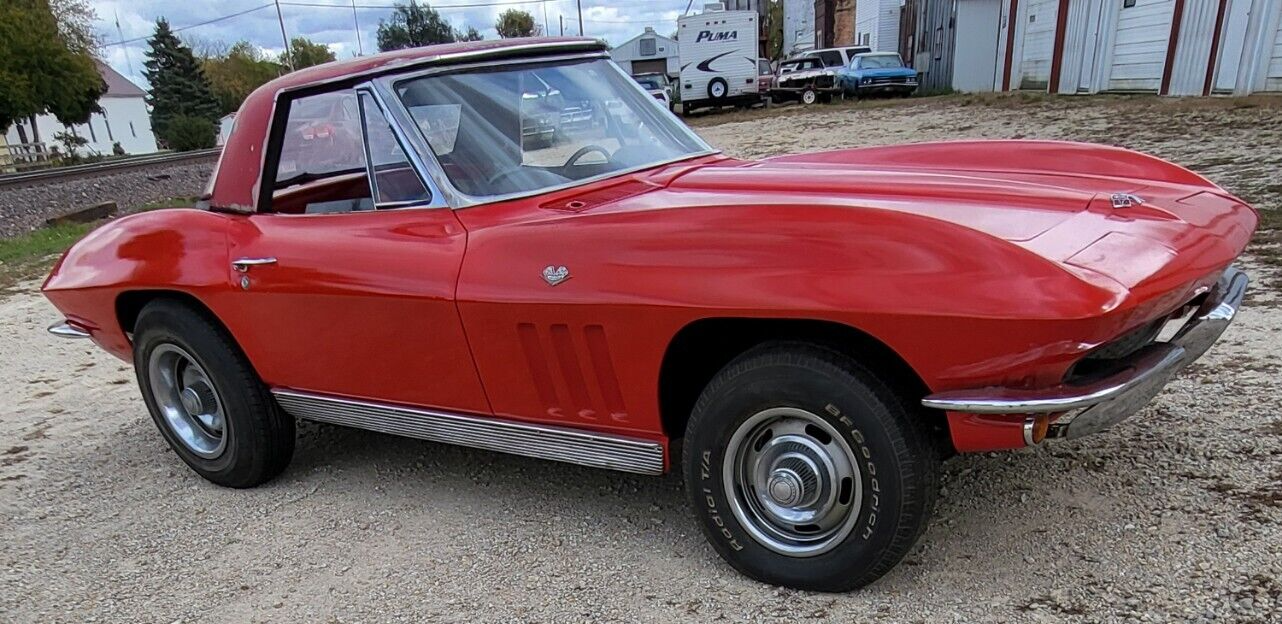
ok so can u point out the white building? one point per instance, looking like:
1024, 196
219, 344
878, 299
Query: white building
124, 119
647, 53
1168, 47
798, 26
1209, 47
877, 24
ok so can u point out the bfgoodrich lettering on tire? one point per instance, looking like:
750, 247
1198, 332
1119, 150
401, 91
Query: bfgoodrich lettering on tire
806, 470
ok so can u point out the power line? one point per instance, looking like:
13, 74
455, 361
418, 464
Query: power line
204, 23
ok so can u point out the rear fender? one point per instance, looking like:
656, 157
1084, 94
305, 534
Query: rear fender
167, 250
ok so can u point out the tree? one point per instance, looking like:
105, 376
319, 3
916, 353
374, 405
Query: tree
40, 71
470, 35
234, 74
413, 25
774, 30
179, 87
516, 23
75, 22
307, 53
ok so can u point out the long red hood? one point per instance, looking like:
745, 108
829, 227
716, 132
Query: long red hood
1053, 199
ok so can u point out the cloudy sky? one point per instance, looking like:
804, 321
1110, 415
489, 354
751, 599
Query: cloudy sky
331, 21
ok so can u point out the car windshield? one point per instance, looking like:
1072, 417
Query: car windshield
880, 61
522, 129
649, 82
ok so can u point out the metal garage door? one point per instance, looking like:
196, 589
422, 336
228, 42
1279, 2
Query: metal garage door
975, 61
1197, 31
655, 66
1273, 82
1139, 51
1037, 44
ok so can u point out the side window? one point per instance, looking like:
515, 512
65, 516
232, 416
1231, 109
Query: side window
394, 181
339, 155
831, 58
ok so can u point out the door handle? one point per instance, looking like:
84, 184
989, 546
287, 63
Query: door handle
242, 265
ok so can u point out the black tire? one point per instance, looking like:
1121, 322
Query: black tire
725, 89
891, 444
259, 436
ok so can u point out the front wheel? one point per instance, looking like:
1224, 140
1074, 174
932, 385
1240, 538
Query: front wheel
206, 399
807, 471
809, 96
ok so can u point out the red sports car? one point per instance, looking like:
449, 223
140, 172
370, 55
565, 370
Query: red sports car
820, 330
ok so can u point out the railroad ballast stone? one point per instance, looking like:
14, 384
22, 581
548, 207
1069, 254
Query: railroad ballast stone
26, 208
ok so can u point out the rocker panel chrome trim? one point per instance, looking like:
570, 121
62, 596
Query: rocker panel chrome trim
596, 450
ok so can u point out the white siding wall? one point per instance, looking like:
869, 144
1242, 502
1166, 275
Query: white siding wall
665, 48
1139, 52
123, 119
1188, 75
1273, 78
1033, 62
878, 20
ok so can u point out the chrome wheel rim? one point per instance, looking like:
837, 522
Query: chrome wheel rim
187, 400
808, 97
793, 482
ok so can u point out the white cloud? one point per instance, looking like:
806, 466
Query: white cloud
613, 20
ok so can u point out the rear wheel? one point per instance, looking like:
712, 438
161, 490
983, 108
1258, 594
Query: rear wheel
206, 399
807, 471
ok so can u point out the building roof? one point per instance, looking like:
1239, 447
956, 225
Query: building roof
117, 85
648, 32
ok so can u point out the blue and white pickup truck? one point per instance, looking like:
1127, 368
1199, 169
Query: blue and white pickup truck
877, 72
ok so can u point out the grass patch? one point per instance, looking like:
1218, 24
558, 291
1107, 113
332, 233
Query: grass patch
27, 255
31, 254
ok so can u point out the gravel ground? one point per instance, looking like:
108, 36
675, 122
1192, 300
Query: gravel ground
26, 208
1174, 516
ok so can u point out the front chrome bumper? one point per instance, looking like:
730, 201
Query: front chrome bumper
65, 329
1110, 400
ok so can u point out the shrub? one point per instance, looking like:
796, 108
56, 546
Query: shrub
185, 133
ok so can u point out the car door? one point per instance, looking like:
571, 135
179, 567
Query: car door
345, 279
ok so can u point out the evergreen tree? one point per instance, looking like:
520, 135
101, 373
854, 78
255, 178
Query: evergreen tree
178, 85
516, 23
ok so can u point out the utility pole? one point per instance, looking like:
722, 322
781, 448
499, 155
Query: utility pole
128, 61
546, 30
580, 3
562, 25
360, 49
289, 56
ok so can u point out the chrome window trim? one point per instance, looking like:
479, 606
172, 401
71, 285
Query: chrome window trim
412, 155
386, 88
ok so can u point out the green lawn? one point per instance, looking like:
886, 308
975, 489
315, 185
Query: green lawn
29, 255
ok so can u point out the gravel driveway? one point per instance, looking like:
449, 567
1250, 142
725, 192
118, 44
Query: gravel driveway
1174, 516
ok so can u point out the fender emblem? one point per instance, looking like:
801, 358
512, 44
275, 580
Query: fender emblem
554, 275
1126, 200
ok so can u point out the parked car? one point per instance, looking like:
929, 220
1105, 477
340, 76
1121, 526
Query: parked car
765, 76
658, 86
835, 57
805, 80
878, 72
818, 329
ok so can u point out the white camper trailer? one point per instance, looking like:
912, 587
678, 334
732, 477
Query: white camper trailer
718, 58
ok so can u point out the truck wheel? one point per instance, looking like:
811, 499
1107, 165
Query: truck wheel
806, 470
718, 89
809, 96
206, 399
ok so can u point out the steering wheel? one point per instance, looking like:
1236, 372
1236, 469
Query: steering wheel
584, 151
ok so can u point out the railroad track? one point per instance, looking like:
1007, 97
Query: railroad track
120, 165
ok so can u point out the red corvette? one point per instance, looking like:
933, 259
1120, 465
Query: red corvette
820, 330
